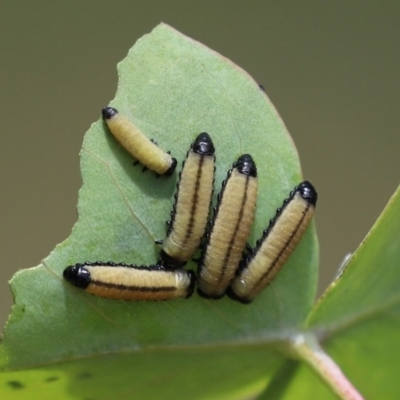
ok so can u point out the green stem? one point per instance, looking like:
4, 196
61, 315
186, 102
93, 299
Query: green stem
306, 348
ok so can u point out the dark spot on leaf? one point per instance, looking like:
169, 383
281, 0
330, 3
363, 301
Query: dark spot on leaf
15, 384
52, 378
84, 375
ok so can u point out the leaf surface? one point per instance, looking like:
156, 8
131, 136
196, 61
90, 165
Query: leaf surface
173, 88
358, 318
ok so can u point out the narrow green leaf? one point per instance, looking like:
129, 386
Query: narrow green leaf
358, 318
369, 285
173, 88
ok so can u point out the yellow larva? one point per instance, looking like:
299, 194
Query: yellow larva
137, 144
130, 282
285, 230
192, 203
230, 228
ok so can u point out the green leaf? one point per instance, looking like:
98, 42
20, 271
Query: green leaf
358, 318
369, 285
172, 87
213, 373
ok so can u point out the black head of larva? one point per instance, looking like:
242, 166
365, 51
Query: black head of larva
307, 192
192, 277
203, 145
77, 275
246, 165
171, 169
109, 112
170, 262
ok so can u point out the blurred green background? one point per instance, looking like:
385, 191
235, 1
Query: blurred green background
331, 69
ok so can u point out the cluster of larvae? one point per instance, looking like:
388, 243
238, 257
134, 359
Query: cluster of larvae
224, 266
